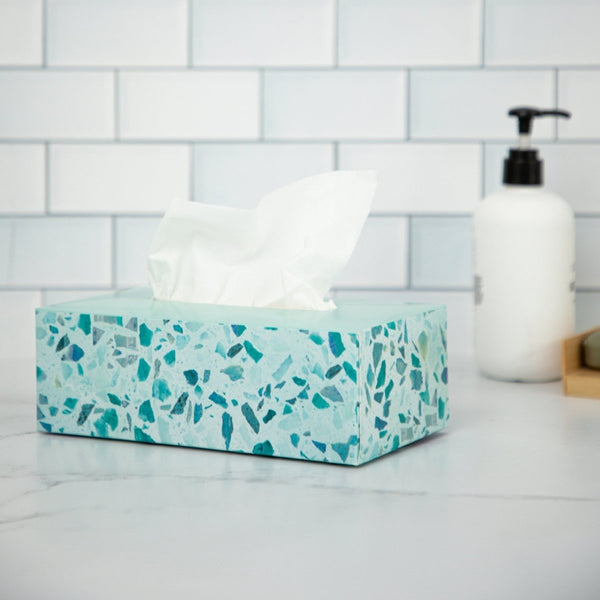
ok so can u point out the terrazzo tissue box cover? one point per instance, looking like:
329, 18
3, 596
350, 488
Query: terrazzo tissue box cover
343, 386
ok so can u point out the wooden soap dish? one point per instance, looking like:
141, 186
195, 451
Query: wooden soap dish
578, 380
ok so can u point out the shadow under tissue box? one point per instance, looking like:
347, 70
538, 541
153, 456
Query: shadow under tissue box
343, 386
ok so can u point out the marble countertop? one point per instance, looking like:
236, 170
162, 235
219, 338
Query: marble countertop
504, 504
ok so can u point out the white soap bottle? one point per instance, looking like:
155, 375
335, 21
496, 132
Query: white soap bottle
524, 268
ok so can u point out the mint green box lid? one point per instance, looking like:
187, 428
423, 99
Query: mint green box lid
348, 317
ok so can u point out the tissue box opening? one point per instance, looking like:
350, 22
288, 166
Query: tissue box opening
345, 386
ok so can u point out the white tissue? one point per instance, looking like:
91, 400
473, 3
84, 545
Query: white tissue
285, 253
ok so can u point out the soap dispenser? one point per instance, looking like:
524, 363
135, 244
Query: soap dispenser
524, 268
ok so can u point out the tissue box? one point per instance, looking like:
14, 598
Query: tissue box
343, 386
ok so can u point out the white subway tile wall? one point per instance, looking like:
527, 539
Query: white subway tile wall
441, 252
133, 237
108, 109
61, 251
587, 310
570, 170
335, 104
116, 33
380, 257
56, 296
117, 178
542, 33
45, 104
587, 255
472, 104
17, 323
241, 174
22, 178
404, 175
433, 32
263, 32
579, 90
186, 105
20, 32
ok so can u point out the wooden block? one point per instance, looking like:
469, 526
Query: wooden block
577, 379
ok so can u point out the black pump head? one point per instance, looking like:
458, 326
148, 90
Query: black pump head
523, 167
526, 114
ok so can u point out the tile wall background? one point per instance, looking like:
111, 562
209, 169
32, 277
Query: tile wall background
108, 108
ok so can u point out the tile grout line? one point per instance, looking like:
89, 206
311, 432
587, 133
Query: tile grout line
116, 92
555, 103
482, 22
81, 215
409, 276
335, 288
336, 156
154, 215
190, 33
336, 34
302, 68
191, 178
113, 251
408, 105
53, 287
44, 33
158, 214
46, 178
397, 288
482, 169
431, 141
342, 288
261, 105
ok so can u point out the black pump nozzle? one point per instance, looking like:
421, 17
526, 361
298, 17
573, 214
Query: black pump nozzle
523, 167
526, 114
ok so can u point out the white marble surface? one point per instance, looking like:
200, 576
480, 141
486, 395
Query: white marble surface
504, 504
